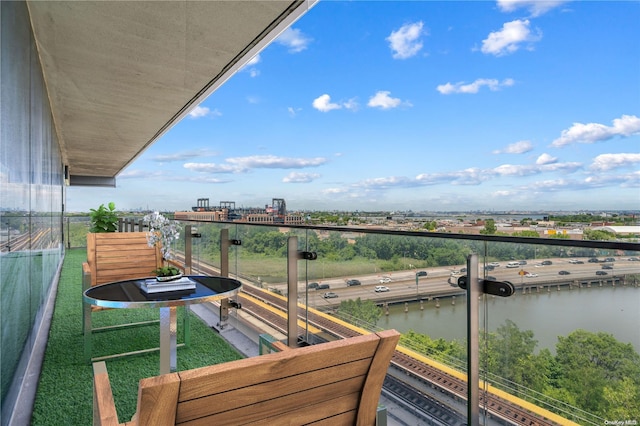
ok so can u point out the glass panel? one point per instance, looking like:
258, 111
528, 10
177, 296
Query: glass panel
567, 340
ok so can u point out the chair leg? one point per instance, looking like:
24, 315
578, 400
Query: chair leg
86, 331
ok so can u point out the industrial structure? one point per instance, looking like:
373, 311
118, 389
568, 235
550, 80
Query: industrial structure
227, 211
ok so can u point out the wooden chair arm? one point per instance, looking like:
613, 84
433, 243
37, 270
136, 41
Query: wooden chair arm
280, 346
104, 408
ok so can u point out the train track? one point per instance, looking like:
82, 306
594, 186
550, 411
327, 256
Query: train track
500, 409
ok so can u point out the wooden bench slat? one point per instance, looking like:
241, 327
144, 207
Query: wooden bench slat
304, 407
274, 366
326, 382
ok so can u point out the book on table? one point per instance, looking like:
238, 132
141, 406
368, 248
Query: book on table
154, 286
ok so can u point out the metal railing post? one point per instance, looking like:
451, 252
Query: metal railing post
292, 293
473, 341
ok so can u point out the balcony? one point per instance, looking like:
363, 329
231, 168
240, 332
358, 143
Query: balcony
563, 349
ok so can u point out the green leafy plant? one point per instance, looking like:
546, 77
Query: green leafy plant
104, 219
166, 271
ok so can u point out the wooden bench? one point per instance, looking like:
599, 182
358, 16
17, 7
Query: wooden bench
335, 383
116, 256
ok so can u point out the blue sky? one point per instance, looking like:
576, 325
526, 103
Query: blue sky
416, 105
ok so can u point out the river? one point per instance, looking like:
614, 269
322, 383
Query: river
547, 314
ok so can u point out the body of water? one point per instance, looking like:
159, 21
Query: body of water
547, 314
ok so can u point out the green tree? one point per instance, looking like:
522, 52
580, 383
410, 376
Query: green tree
360, 310
590, 362
489, 227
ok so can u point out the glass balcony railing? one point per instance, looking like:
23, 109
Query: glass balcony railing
562, 349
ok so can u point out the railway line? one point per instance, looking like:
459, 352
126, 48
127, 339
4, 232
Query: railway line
504, 409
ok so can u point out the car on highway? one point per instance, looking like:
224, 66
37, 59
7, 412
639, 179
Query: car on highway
381, 288
634, 259
601, 273
385, 280
494, 264
421, 274
564, 272
323, 287
312, 286
329, 295
609, 259
531, 275
575, 261
522, 262
353, 282
593, 260
547, 262
607, 267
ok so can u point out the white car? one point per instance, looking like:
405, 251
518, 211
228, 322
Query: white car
381, 288
494, 264
531, 275
385, 280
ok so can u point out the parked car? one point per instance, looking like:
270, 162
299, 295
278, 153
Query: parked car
323, 287
607, 267
381, 288
312, 286
564, 272
601, 273
353, 282
385, 280
330, 295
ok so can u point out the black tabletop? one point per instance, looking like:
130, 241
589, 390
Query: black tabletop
129, 294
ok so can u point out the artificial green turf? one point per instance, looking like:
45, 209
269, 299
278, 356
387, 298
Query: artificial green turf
65, 394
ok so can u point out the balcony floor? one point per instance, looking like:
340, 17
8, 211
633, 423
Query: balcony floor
64, 394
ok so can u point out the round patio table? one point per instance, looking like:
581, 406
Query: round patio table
131, 294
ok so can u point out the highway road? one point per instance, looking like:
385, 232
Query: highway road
437, 281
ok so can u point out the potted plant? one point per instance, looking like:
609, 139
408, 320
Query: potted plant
164, 232
104, 219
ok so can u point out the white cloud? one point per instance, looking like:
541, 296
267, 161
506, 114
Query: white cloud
293, 111
275, 162
351, 104
461, 87
200, 111
382, 100
323, 103
509, 39
519, 147
253, 61
244, 164
294, 40
627, 125
211, 168
606, 162
546, 159
535, 7
405, 42
185, 155
295, 177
